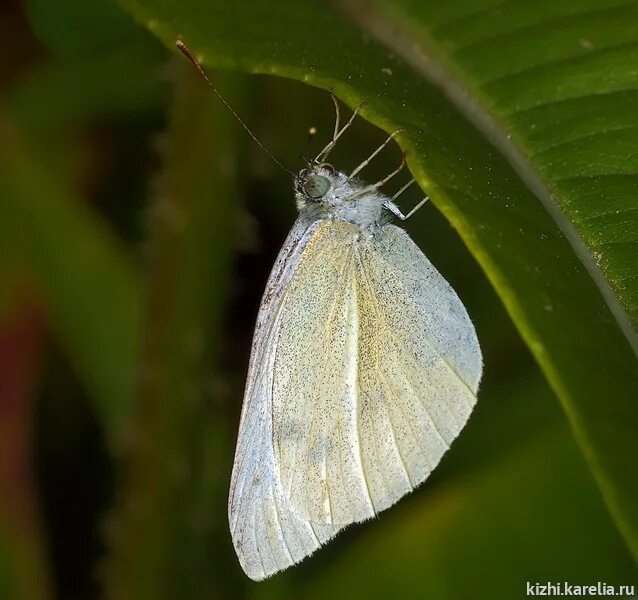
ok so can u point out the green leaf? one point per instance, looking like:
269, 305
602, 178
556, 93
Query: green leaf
76, 27
554, 90
574, 321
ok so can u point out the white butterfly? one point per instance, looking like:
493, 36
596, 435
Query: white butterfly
364, 368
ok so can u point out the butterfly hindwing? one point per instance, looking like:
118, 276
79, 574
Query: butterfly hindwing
375, 373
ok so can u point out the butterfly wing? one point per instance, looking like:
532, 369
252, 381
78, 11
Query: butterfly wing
420, 378
375, 373
314, 383
364, 368
267, 536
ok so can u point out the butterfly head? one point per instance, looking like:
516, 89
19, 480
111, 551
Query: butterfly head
318, 184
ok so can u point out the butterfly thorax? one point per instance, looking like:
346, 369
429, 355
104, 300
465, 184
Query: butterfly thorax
323, 193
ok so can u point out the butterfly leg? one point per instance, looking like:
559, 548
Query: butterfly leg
323, 155
395, 210
378, 184
337, 114
381, 147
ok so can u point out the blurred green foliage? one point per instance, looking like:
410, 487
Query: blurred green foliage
137, 228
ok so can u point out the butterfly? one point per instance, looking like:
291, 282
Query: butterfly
364, 368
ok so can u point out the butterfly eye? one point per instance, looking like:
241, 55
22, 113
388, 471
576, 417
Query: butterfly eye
316, 186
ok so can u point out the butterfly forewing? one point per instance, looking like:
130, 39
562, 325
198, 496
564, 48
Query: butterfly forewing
267, 535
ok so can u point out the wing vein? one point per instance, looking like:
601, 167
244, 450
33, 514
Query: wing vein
239, 498
253, 528
324, 476
278, 522
393, 437
313, 532
398, 405
427, 412
346, 493
267, 535
354, 367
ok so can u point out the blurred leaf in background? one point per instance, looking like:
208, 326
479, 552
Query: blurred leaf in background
180, 450
138, 226
23, 569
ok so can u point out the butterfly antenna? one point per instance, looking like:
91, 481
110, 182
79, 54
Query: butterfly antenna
191, 57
